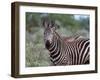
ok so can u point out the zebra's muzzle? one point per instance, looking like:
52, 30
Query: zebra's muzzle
47, 44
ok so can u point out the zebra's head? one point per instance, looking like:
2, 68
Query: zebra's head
49, 29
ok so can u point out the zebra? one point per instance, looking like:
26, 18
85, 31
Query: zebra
65, 51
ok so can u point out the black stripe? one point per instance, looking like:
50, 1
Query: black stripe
71, 53
77, 53
84, 48
58, 55
87, 53
51, 48
55, 45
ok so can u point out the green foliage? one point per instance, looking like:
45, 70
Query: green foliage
84, 23
36, 54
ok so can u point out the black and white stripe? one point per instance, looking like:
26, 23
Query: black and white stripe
73, 51
69, 53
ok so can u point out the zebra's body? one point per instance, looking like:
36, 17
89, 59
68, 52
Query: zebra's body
65, 51
68, 53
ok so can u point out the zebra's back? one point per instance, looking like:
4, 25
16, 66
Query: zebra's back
78, 51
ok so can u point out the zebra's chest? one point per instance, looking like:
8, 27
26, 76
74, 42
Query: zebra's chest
63, 61
65, 54
63, 58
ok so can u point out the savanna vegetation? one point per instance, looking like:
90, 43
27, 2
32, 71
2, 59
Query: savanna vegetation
69, 25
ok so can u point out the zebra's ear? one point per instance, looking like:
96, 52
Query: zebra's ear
43, 22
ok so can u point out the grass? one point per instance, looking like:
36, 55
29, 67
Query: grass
36, 54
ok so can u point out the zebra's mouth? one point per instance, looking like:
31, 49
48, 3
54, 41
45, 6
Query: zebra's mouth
47, 44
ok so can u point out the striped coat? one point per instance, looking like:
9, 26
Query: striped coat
65, 51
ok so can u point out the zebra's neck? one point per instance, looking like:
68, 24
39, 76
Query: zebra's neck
56, 49
56, 43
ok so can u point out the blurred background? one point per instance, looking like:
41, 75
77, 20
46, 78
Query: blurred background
69, 25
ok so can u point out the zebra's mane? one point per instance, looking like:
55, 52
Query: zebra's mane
59, 37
